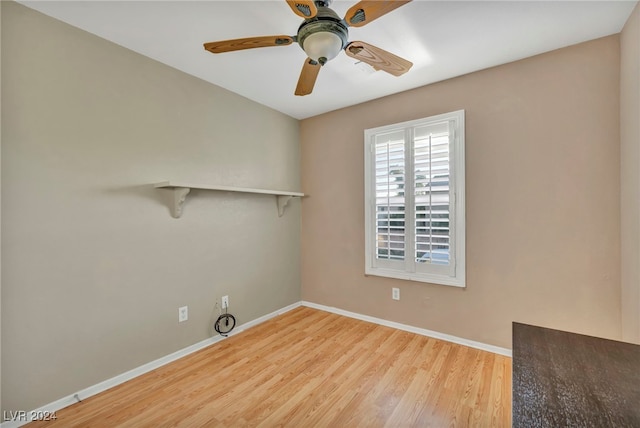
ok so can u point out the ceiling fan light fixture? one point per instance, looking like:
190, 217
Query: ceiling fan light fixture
322, 46
324, 36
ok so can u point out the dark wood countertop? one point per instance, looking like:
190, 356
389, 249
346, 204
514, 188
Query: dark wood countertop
563, 379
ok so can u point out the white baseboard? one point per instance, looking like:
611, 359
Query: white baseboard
411, 329
50, 408
145, 368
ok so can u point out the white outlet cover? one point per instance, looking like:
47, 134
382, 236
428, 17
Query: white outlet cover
183, 313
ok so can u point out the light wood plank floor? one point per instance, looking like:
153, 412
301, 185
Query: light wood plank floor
310, 368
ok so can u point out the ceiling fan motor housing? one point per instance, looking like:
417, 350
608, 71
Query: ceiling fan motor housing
323, 36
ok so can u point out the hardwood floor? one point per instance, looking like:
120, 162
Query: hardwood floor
309, 368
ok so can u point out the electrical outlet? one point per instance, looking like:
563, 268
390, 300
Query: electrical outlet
395, 293
225, 302
183, 313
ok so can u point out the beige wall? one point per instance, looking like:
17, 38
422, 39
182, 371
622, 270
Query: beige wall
630, 175
543, 228
94, 266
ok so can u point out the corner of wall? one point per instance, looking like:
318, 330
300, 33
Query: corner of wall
0, 206
630, 176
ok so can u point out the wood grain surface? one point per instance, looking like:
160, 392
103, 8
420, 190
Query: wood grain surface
309, 368
378, 58
308, 77
247, 43
364, 11
564, 379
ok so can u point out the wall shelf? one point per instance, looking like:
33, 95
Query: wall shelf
181, 190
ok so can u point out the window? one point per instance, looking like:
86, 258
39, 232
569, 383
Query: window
414, 200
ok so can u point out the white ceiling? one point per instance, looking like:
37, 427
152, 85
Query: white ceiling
443, 39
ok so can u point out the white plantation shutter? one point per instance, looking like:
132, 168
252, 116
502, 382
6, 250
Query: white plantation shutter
390, 195
414, 191
432, 195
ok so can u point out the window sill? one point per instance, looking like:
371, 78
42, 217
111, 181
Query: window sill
418, 277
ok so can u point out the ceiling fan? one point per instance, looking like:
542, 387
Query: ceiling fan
323, 34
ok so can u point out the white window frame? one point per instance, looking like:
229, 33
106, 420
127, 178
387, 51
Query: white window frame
454, 274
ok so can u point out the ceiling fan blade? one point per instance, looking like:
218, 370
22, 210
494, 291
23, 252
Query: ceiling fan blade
308, 77
364, 12
247, 43
378, 58
303, 8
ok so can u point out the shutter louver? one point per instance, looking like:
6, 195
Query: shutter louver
390, 196
431, 173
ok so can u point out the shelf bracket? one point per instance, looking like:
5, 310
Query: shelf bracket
283, 201
179, 197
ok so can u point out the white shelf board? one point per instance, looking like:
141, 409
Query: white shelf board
172, 184
181, 190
